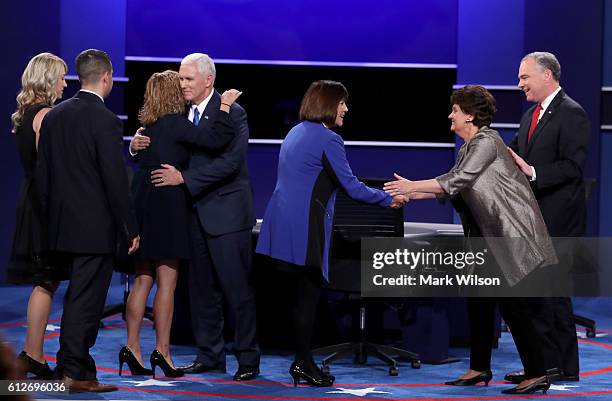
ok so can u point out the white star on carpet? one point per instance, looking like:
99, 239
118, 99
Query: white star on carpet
582, 334
52, 327
561, 387
360, 392
152, 382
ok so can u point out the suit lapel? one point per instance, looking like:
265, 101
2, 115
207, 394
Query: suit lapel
212, 108
548, 114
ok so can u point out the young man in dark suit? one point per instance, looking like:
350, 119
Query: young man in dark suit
221, 226
84, 190
551, 149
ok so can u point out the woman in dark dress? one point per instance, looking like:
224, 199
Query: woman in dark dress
162, 212
42, 83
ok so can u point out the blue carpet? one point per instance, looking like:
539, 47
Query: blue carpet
352, 382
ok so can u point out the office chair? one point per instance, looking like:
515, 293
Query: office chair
352, 221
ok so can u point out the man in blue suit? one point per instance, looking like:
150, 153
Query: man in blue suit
221, 225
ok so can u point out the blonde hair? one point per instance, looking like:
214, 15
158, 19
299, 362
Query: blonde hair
38, 83
162, 96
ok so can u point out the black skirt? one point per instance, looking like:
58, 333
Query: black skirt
30, 261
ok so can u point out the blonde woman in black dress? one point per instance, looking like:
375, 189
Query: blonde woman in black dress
162, 212
42, 83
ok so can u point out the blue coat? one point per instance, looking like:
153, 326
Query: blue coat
297, 224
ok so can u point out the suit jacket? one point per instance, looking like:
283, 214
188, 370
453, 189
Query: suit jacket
219, 182
499, 204
312, 166
83, 179
558, 150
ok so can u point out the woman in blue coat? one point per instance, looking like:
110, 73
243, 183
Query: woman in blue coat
296, 229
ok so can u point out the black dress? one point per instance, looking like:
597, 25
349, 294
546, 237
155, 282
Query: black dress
162, 212
29, 261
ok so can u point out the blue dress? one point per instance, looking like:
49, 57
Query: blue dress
298, 220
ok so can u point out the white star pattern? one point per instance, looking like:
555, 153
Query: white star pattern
152, 382
52, 327
359, 392
582, 334
562, 387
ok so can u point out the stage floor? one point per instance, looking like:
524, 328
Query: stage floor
353, 382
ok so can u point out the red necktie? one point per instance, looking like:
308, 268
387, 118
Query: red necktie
534, 121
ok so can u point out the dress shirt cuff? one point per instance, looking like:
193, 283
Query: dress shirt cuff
533, 174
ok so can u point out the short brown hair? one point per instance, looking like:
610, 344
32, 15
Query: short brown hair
477, 101
91, 64
162, 96
320, 102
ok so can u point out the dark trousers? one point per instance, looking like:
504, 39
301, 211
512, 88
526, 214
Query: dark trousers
301, 286
90, 278
524, 316
219, 271
563, 352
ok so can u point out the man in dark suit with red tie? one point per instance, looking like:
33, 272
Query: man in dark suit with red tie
551, 149
84, 190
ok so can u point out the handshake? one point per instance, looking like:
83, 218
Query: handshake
403, 190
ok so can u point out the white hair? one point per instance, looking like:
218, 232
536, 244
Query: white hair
203, 62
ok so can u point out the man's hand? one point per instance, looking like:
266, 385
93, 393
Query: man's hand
139, 142
166, 176
134, 244
525, 168
401, 186
398, 201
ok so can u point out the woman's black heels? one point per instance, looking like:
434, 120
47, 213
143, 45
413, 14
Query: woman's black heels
31, 365
542, 384
136, 369
314, 378
157, 359
485, 377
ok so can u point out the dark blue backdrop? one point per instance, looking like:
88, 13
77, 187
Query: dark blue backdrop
314, 30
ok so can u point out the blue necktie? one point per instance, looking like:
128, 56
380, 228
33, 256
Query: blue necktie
196, 116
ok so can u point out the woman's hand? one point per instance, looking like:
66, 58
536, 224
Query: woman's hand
401, 186
228, 98
398, 201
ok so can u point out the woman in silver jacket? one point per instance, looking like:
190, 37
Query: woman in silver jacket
493, 199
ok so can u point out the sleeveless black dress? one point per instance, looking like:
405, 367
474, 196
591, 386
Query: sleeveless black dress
29, 262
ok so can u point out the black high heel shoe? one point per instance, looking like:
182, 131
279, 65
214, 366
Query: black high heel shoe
157, 359
314, 378
136, 369
31, 365
485, 377
542, 384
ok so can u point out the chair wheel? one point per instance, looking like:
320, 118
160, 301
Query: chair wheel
325, 369
415, 364
393, 371
590, 333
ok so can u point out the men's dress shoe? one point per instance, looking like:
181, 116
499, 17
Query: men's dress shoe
515, 377
569, 378
87, 386
518, 376
199, 367
245, 373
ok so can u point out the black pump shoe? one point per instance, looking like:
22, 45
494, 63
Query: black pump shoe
314, 378
485, 377
157, 359
31, 365
542, 384
136, 369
